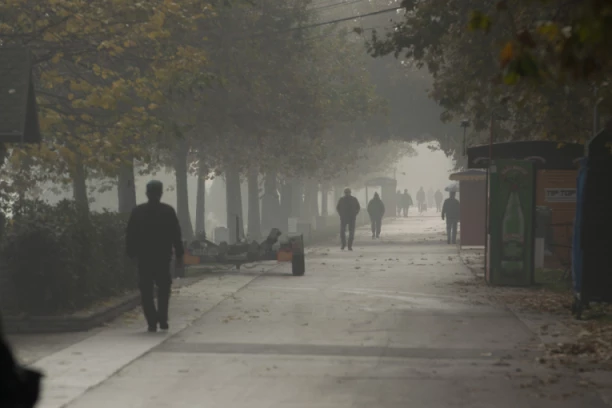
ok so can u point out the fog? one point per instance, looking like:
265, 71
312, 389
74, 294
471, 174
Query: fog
428, 168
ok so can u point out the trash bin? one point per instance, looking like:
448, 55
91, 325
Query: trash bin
543, 234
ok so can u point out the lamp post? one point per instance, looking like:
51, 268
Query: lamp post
596, 115
465, 123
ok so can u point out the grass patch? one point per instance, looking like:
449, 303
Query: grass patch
553, 280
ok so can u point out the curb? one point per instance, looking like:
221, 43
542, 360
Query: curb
85, 321
80, 321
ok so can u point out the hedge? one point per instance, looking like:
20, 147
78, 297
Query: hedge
59, 259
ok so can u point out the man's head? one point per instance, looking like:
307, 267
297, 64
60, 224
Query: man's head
452, 194
155, 190
376, 196
347, 191
406, 191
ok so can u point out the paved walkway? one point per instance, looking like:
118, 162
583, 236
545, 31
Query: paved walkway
387, 325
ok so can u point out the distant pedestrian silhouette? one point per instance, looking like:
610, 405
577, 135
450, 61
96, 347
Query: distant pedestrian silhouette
450, 212
376, 210
420, 197
348, 207
406, 202
438, 196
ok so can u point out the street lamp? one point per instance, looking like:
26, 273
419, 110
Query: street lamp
465, 123
596, 117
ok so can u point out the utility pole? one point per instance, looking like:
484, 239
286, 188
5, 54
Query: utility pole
465, 123
596, 113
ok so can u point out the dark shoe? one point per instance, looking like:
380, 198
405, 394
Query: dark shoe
152, 329
350, 248
163, 326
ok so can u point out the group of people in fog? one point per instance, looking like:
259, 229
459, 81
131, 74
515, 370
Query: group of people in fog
348, 208
404, 201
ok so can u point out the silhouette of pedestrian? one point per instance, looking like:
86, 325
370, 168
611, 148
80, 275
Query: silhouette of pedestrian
153, 231
348, 207
451, 211
376, 210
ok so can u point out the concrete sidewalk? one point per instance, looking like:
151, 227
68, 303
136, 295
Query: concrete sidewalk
388, 325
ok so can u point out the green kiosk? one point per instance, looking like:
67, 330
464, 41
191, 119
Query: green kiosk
511, 223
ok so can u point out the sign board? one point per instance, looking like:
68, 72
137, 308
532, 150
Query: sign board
560, 195
511, 223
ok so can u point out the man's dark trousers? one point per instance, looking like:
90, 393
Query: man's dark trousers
152, 273
376, 226
350, 223
451, 231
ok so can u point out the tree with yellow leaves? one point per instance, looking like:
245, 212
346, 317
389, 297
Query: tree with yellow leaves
99, 68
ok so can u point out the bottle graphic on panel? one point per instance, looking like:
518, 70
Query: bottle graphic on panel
513, 235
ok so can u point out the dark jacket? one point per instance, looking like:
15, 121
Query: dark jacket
451, 209
19, 386
376, 208
406, 200
438, 197
420, 196
348, 207
152, 231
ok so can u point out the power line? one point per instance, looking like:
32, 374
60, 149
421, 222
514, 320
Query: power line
341, 4
340, 20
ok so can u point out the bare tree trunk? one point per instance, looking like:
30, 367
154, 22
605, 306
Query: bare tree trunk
313, 201
126, 187
79, 184
254, 211
286, 198
200, 220
234, 204
271, 211
182, 193
297, 198
324, 200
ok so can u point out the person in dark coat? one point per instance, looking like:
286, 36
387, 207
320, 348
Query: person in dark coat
376, 210
420, 197
348, 207
451, 211
438, 196
153, 231
406, 202
19, 386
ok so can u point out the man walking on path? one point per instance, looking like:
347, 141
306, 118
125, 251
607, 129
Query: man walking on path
406, 202
450, 211
376, 210
421, 199
439, 198
348, 207
153, 231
